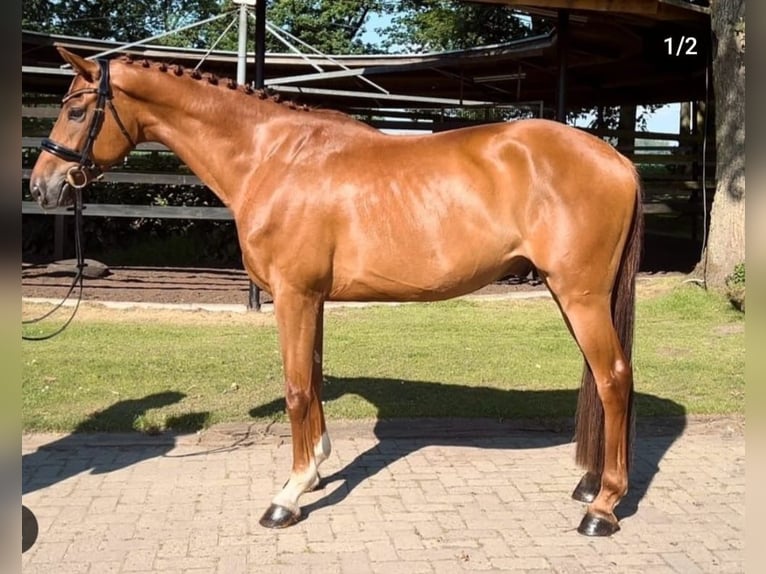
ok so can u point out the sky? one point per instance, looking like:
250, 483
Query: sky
665, 119
375, 20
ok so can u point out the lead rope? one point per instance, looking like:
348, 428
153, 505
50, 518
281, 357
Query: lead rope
78, 278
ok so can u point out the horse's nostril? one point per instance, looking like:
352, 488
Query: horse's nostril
37, 190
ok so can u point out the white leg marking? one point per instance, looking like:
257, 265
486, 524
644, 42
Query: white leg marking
297, 485
322, 448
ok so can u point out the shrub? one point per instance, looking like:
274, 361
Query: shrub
735, 287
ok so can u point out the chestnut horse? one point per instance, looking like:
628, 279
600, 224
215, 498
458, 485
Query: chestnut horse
328, 208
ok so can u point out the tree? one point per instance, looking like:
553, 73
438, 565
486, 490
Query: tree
37, 15
331, 26
726, 243
433, 25
114, 19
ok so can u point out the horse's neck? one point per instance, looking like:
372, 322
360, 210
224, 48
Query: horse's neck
214, 131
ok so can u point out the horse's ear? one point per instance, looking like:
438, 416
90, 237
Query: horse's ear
88, 69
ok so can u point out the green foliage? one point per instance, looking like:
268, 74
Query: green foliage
204, 36
331, 26
114, 19
37, 16
735, 287
432, 25
738, 275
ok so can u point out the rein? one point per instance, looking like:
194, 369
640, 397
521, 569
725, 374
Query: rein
78, 177
78, 279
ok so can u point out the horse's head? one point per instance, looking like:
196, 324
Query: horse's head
88, 137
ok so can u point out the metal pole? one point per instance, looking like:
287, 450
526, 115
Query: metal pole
260, 58
254, 292
242, 45
260, 43
562, 44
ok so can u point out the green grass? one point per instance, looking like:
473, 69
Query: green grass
501, 359
691, 348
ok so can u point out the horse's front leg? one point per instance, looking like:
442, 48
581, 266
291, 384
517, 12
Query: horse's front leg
299, 319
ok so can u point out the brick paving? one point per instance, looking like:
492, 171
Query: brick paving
414, 496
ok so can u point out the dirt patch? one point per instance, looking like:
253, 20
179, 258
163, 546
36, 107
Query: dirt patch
733, 329
190, 286
655, 284
143, 284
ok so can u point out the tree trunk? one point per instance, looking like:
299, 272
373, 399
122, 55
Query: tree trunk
726, 242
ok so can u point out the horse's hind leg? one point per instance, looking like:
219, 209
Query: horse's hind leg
588, 487
590, 319
319, 436
299, 318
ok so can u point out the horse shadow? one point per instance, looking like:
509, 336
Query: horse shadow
79, 452
494, 427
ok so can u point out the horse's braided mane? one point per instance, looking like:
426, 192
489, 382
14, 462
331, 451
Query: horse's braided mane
179, 70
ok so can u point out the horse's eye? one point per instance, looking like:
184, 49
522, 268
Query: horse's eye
76, 113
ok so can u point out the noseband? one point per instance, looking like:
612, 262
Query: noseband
87, 169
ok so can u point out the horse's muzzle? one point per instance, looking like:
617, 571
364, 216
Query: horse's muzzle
59, 194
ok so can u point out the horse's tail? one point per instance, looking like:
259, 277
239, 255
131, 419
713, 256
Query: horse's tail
589, 419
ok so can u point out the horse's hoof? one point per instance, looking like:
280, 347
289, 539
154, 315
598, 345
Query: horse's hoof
587, 489
279, 517
595, 525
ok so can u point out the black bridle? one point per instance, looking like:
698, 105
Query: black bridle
78, 177
87, 169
